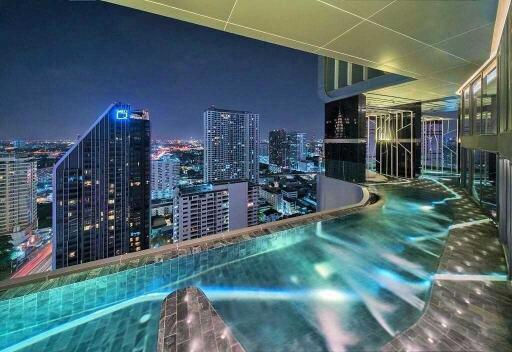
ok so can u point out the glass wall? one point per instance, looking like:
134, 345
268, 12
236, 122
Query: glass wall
503, 82
484, 179
339, 74
466, 125
489, 102
476, 105
342, 74
357, 73
465, 167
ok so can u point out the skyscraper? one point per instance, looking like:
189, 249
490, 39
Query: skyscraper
18, 194
165, 172
101, 189
231, 140
277, 147
296, 149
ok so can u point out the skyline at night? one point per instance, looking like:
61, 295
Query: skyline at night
64, 67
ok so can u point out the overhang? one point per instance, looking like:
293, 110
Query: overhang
440, 43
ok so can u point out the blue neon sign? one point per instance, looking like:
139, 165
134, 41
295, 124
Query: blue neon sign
122, 114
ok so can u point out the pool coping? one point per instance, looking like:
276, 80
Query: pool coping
184, 248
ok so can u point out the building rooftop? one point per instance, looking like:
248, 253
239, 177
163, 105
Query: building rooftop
193, 189
213, 108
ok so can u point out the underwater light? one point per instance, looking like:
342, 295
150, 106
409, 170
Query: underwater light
329, 295
324, 269
426, 207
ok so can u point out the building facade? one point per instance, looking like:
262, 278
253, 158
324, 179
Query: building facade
486, 136
101, 189
210, 208
296, 146
277, 147
165, 173
18, 194
231, 142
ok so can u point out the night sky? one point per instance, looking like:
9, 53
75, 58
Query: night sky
63, 62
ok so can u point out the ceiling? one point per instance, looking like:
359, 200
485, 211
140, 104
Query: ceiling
440, 43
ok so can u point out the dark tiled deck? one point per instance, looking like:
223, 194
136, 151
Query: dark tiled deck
188, 322
470, 308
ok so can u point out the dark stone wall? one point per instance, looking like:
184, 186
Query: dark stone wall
345, 134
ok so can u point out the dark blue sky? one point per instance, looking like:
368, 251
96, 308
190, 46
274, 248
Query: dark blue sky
63, 62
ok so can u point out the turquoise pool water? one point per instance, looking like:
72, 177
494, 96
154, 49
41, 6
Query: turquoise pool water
344, 284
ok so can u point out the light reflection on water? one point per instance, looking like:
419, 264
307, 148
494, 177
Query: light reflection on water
351, 283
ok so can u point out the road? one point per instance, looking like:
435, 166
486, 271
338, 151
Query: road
40, 263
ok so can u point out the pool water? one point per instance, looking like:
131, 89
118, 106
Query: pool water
344, 284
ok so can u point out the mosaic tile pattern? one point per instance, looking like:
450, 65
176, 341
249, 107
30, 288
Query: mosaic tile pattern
188, 322
473, 315
131, 329
474, 250
22, 316
45, 281
462, 316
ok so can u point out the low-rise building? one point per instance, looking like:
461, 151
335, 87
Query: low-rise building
210, 208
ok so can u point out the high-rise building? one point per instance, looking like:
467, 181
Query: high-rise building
211, 208
277, 147
231, 140
101, 189
165, 172
18, 194
263, 149
296, 149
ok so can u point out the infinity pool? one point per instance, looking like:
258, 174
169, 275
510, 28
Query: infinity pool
344, 284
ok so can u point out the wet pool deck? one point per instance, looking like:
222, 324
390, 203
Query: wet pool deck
469, 309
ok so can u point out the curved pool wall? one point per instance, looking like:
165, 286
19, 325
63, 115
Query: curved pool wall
351, 283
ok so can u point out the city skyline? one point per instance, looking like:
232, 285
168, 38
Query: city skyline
174, 69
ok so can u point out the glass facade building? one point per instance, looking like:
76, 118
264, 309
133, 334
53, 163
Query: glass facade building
101, 188
277, 147
296, 149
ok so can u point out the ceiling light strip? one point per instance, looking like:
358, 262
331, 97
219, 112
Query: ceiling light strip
357, 24
230, 13
183, 10
392, 30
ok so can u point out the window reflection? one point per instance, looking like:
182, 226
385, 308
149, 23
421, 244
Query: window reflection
476, 90
465, 113
484, 179
489, 103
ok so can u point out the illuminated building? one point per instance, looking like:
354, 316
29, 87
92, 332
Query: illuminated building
18, 194
296, 149
165, 173
101, 189
211, 208
277, 147
231, 142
